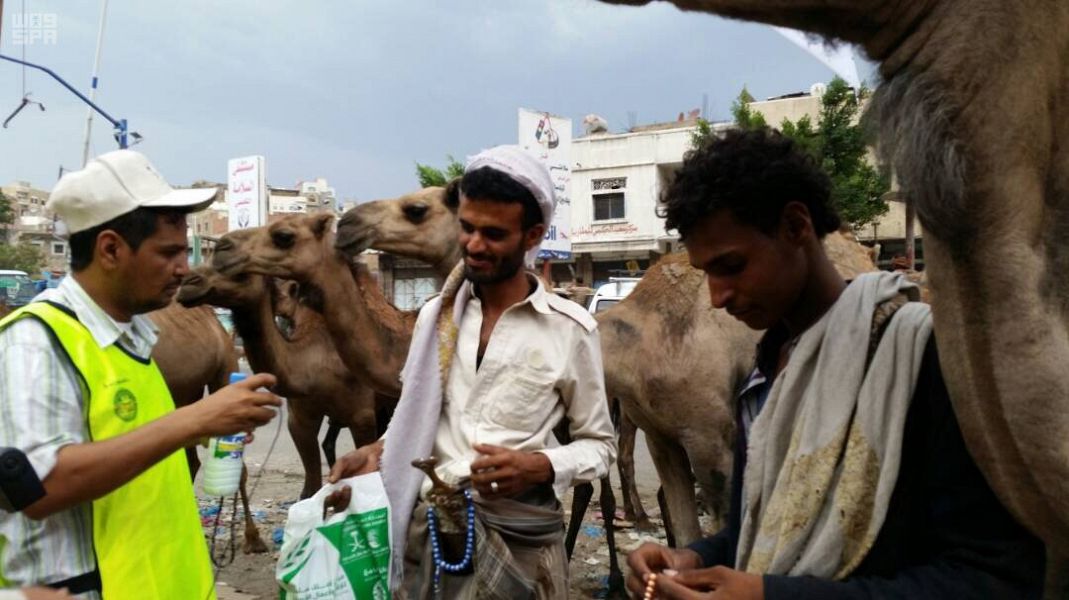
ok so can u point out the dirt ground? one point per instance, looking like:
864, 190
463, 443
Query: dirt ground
277, 486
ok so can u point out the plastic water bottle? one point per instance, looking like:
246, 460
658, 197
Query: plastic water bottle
222, 470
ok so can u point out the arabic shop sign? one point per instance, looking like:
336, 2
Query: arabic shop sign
246, 194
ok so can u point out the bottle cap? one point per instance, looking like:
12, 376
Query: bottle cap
236, 377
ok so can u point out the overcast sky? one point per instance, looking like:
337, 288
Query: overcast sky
358, 91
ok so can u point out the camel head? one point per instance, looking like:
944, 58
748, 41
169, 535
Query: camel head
420, 225
206, 285
298, 247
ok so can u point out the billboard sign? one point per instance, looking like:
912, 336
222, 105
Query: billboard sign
550, 139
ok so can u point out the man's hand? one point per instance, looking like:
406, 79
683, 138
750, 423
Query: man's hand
654, 558
716, 583
361, 461
236, 408
513, 471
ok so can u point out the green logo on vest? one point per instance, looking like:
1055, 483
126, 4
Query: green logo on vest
125, 405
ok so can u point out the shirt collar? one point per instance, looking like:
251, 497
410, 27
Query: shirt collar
538, 299
101, 326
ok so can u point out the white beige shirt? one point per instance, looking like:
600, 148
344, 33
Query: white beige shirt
542, 363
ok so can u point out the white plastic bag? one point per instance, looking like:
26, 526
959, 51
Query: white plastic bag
348, 556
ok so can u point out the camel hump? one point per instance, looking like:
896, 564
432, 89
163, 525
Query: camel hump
573, 310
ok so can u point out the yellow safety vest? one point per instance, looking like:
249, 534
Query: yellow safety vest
146, 534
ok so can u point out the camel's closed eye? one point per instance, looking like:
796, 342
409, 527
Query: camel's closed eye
415, 212
283, 238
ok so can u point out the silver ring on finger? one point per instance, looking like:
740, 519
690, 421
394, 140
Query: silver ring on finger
494, 487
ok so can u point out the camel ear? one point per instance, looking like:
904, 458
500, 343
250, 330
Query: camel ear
452, 194
321, 224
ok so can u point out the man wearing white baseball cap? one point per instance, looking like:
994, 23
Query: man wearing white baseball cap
82, 400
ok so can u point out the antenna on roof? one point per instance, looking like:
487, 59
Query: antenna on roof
632, 119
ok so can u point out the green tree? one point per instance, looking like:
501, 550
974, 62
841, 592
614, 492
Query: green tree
745, 117
836, 141
703, 132
432, 176
21, 257
857, 186
7, 213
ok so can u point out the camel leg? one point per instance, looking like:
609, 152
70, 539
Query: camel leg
254, 544
330, 441
304, 429
666, 518
362, 426
581, 495
633, 509
673, 467
713, 476
608, 510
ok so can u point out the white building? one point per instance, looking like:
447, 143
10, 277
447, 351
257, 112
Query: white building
618, 179
320, 195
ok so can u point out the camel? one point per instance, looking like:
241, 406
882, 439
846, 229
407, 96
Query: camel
993, 201
310, 374
656, 346
302, 248
193, 351
370, 334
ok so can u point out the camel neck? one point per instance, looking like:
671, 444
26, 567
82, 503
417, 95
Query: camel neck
263, 342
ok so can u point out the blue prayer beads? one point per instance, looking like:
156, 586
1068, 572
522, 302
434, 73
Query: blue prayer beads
440, 563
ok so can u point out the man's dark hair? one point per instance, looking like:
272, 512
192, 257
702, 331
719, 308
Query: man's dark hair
134, 227
486, 183
753, 174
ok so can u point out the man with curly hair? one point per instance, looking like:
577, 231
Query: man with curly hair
851, 478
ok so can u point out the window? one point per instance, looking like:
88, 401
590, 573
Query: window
609, 198
608, 206
58, 248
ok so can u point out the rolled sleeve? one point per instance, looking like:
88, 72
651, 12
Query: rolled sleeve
40, 405
592, 449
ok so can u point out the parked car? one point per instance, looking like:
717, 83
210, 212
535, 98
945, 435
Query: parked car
17, 288
610, 294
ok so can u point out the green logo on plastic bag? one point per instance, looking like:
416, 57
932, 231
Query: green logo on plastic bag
363, 544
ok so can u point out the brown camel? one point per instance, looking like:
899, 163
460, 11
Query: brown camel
656, 345
993, 201
310, 374
194, 351
301, 248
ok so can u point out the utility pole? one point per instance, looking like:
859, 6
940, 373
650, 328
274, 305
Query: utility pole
93, 86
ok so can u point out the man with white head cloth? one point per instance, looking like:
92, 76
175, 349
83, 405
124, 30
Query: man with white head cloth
496, 363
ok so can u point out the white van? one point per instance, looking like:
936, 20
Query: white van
610, 294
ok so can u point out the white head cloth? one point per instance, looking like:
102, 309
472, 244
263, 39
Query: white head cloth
525, 170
